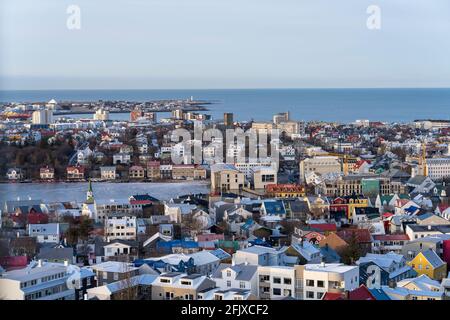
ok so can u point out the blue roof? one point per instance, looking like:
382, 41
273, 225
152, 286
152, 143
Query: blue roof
379, 294
177, 243
412, 209
274, 207
247, 224
260, 242
221, 254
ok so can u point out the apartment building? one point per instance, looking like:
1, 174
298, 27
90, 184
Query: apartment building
38, 281
438, 168
328, 277
225, 177
188, 172
104, 208
320, 165
275, 282
153, 170
119, 226
136, 172
264, 176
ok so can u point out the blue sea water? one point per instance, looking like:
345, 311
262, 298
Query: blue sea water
342, 105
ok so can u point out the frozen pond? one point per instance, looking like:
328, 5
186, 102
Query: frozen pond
49, 192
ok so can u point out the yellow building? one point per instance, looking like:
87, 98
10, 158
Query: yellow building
430, 264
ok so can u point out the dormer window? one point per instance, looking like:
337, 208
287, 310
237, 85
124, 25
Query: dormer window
228, 273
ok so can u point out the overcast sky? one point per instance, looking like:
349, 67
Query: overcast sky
223, 44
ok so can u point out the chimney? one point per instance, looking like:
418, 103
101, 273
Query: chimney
85, 296
66, 263
322, 264
39, 263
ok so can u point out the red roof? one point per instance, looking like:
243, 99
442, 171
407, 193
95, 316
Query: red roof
387, 215
13, 262
141, 202
333, 296
391, 237
324, 226
442, 207
361, 293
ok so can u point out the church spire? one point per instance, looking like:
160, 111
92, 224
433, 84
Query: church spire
90, 193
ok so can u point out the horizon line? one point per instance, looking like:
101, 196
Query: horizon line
211, 89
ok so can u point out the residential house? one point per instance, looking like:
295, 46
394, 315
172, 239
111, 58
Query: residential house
14, 174
376, 270
47, 173
240, 276
175, 285
429, 263
111, 271
75, 172
260, 255
108, 172
136, 172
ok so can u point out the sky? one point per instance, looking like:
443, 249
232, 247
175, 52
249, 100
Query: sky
207, 44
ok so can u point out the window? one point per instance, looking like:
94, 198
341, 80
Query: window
319, 295
228, 283
105, 275
310, 294
242, 285
287, 281
116, 276
320, 283
276, 291
228, 273
276, 280
310, 283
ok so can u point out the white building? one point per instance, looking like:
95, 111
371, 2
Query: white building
45, 233
119, 226
108, 172
101, 114
438, 168
38, 281
259, 255
319, 279
42, 117
240, 276
104, 208
320, 165
276, 282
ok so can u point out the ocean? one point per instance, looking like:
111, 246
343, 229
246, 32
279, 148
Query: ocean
341, 105
49, 192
